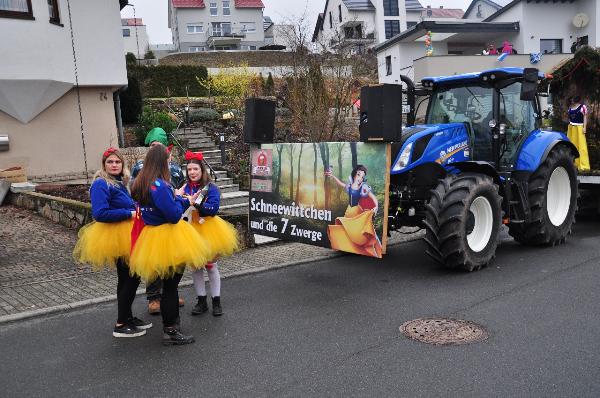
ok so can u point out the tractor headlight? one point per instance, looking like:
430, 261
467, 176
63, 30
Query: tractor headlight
404, 158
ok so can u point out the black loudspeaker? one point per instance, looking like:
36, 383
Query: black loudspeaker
381, 113
259, 125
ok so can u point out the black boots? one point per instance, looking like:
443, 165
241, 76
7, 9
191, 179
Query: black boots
201, 307
216, 306
172, 336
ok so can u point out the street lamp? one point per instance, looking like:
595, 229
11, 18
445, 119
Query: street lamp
137, 43
186, 110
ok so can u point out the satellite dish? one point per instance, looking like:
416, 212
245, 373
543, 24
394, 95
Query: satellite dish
581, 20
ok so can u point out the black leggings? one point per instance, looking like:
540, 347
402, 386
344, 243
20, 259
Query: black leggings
126, 287
169, 303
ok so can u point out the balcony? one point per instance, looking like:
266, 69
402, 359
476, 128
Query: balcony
224, 37
443, 65
353, 38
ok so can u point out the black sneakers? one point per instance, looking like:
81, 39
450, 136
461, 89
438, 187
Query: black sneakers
128, 330
137, 322
172, 336
201, 307
216, 306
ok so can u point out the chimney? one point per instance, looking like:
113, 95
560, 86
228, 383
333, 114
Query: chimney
429, 11
441, 7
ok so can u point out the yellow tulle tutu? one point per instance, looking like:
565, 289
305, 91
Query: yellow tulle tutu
221, 235
101, 244
163, 250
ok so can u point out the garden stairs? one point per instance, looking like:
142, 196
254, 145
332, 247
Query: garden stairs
233, 201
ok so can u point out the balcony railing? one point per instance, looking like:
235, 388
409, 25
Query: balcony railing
228, 33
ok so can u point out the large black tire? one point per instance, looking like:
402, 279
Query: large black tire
451, 225
542, 230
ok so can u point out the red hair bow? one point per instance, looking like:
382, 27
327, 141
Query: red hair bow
189, 155
109, 152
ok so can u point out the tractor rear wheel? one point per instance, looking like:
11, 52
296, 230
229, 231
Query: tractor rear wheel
552, 201
462, 222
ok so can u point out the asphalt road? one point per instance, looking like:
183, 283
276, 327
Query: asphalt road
332, 329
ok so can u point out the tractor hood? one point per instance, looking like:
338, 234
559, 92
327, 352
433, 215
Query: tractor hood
431, 143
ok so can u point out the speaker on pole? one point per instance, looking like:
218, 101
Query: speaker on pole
259, 125
381, 113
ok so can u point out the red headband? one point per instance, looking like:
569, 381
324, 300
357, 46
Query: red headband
193, 155
109, 152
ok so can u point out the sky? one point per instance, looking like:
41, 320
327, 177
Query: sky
154, 13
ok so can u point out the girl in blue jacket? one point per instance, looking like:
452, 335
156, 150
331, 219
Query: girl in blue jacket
166, 244
107, 240
221, 235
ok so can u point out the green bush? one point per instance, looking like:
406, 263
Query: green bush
151, 119
169, 81
149, 55
131, 101
204, 115
269, 88
130, 59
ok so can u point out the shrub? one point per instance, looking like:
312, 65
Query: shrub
149, 55
130, 59
269, 88
151, 119
131, 101
169, 81
204, 115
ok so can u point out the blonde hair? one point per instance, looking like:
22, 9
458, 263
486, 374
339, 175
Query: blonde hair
109, 178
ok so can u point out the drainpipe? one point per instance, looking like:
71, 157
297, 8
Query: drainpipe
117, 103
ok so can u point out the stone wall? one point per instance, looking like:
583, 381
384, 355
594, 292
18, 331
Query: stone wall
67, 212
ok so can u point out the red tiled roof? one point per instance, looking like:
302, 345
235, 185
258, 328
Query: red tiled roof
132, 22
249, 4
188, 4
444, 13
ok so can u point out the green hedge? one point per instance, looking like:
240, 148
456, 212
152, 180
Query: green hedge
169, 81
131, 101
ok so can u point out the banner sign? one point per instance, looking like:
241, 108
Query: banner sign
329, 194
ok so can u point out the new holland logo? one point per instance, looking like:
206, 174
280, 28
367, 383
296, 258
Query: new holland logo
451, 151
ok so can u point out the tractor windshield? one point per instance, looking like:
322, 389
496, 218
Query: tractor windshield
466, 104
471, 104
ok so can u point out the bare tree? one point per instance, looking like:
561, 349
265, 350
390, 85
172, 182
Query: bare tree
279, 150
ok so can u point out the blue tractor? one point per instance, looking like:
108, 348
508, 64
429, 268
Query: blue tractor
482, 160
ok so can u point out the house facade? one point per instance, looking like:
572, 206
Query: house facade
363, 24
548, 28
39, 108
210, 25
135, 36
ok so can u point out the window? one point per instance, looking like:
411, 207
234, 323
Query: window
221, 29
392, 28
53, 11
519, 117
410, 24
126, 32
390, 8
249, 48
340, 11
226, 7
388, 65
330, 21
223, 48
195, 28
16, 9
196, 49
551, 46
248, 27
214, 11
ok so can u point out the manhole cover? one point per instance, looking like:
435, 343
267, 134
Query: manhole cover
443, 331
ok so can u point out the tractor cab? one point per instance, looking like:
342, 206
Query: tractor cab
497, 102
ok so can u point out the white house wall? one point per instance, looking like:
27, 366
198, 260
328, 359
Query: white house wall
486, 11
185, 16
403, 56
131, 44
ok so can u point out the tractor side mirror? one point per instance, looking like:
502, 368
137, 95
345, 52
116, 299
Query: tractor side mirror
529, 86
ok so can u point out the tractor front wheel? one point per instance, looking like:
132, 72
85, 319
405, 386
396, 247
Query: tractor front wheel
463, 218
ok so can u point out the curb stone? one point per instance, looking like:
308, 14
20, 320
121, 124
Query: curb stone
104, 299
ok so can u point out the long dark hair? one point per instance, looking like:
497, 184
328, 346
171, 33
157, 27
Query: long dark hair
156, 165
205, 179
